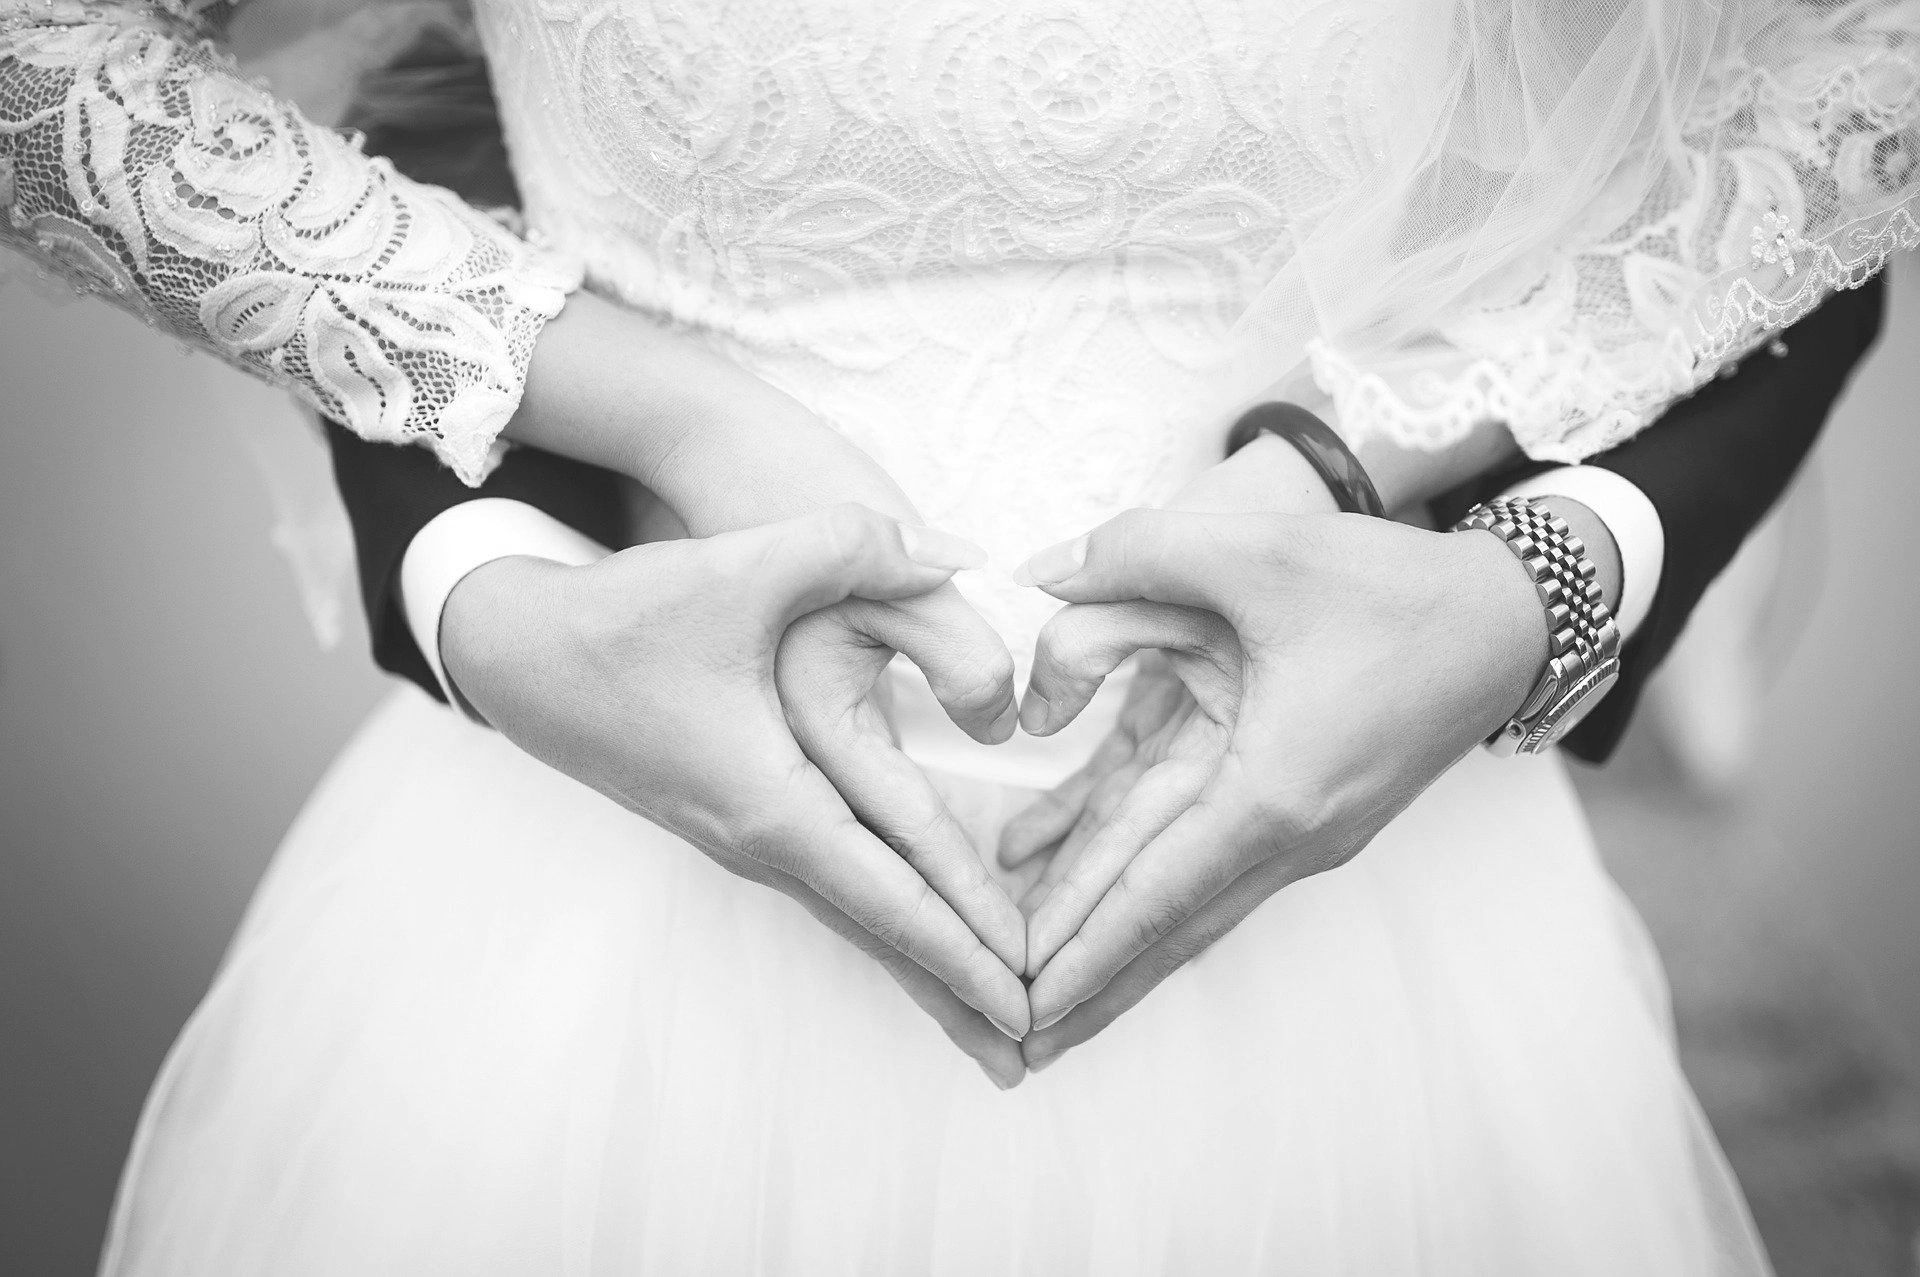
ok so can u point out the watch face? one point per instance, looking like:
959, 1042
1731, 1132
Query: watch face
1575, 705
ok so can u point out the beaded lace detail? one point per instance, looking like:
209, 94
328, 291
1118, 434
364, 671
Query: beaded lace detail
136, 163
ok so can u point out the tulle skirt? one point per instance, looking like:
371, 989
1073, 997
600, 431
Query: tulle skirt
479, 1020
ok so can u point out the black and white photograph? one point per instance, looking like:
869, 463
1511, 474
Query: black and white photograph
959, 638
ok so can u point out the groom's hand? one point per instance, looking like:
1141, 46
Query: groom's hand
650, 676
1365, 658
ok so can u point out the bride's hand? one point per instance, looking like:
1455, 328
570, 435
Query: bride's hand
1366, 657
1161, 733
651, 677
1163, 745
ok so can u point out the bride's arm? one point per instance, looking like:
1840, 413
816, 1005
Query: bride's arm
137, 163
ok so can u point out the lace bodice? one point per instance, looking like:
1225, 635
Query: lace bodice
1030, 253
999, 245
137, 163
1011, 246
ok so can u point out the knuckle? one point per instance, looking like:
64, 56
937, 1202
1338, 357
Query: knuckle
1287, 815
1068, 898
1055, 649
1146, 916
980, 678
1072, 638
899, 930
848, 531
1132, 522
765, 840
1274, 542
1175, 952
912, 834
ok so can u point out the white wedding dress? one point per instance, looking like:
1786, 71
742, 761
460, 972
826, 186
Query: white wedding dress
481, 1021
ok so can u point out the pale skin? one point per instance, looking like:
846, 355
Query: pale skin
1291, 642
637, 676
616, 674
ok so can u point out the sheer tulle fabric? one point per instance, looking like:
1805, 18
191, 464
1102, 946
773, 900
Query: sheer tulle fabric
1563, 214
481, 1021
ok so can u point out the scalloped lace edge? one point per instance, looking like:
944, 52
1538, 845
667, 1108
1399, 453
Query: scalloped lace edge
1565, 399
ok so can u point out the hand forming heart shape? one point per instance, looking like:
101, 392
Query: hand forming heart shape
1318, 673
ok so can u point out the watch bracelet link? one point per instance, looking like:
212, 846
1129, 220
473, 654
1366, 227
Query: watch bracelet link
1583, 644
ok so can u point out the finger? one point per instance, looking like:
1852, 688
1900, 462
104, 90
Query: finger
1206, 847
894, 798
1083, 643
1048, 818
1144, 974
1164, 556
965, 661
1106, 799
997, 1054
1154, 803
803, 564
863, 878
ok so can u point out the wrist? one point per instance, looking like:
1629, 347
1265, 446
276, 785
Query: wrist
1267, 476
1583, 651
1501, 603
1406, 476
488, 623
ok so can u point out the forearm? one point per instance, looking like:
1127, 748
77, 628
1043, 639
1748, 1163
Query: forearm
722, 448
1411, 477
1270, 474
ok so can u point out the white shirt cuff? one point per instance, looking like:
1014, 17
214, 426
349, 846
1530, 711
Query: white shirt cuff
465, 537
1629, 516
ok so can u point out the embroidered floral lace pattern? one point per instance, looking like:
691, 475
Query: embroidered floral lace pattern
136, 163
1014, 247
1798, 177
1001, 245
1137, 171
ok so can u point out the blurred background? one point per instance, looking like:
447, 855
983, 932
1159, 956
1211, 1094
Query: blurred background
165, 707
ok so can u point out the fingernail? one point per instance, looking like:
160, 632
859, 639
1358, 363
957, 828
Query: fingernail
1000, 1025
932, 548
1044, 1062
1033, 713
1054, 564
1049, 1022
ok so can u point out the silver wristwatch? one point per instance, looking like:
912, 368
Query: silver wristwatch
1583, 659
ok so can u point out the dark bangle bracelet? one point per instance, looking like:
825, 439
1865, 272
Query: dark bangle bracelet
1324, 450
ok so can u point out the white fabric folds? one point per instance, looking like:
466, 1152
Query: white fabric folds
481, 1022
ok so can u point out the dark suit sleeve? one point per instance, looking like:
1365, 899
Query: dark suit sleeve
1713, 466
432, 113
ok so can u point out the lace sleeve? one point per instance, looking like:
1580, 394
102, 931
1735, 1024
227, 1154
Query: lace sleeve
137, 163
1794, 171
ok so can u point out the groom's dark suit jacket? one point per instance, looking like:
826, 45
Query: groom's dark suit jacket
1712, 466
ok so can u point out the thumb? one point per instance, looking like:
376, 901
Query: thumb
1163, 556
800, 565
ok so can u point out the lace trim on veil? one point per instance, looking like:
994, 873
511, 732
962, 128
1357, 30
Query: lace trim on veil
1590, 346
